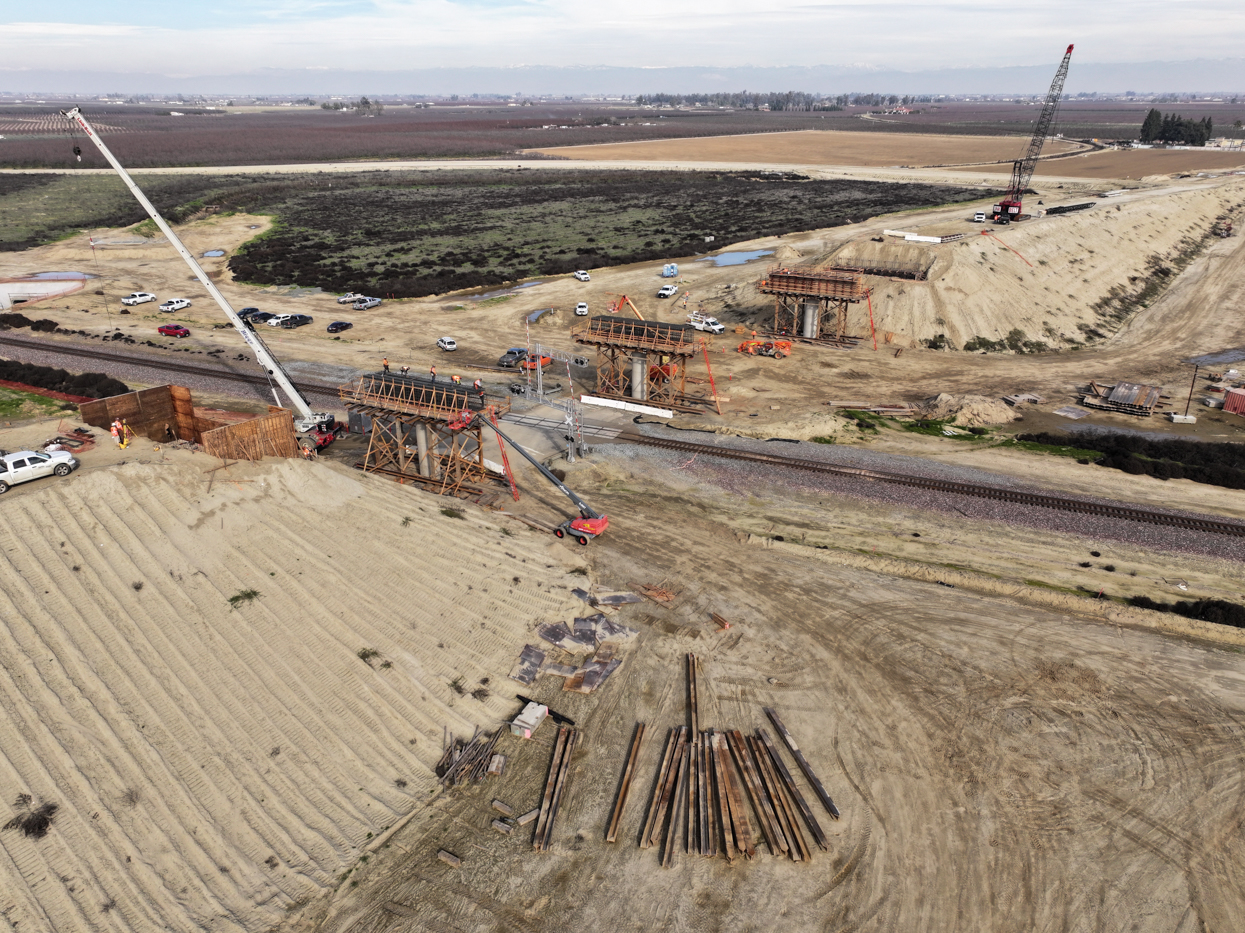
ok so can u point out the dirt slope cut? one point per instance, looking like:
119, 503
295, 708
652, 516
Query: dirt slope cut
216, 766
1059, 279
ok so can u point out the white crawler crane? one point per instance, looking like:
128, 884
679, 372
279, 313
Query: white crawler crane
319, 425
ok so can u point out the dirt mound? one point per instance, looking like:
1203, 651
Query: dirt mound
967, 410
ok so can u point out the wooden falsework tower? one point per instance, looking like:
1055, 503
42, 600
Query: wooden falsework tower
810, 303
646, 361
412, 437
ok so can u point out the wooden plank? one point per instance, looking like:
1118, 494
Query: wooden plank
739, 816
560, 788
723, 812
671, 740
624, 787
668, 791
528, 817
819, 835
692, 702
691, 829
680, 800
551, 781
709, 838
449, 857
503, 808
782, 807
803, 763
760, 803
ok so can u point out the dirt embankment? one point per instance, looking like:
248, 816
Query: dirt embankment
219, 758
1061, 280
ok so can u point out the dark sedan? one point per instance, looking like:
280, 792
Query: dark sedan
338, 326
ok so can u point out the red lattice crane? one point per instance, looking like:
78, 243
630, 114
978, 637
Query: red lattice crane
1009, 208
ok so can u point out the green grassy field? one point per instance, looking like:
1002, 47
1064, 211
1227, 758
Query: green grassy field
20, 406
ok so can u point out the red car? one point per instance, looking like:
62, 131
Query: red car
173, 330
530, 362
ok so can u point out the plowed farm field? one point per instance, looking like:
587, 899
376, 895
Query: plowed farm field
907, 150
813, 147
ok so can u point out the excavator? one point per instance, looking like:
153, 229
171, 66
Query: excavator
590, 523
318, 428
1009, 208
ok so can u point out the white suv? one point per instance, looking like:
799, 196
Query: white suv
29, 464
138, 298
447, 343
581, 309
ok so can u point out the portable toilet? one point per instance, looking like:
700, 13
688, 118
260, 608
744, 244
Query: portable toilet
670, 270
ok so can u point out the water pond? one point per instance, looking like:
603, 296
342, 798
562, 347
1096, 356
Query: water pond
737, 258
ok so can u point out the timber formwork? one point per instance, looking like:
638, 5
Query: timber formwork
811, 302
645, 361
417, 431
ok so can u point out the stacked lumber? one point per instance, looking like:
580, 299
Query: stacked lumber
709, 779
469, 763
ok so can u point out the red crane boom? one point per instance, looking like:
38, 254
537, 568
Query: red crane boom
1009, 208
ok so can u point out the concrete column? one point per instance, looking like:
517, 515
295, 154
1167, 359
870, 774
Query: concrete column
421, 444
812, 319
639, 377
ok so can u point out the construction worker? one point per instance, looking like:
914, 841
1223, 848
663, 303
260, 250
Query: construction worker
433, 372
457, 380
116, 432
405, 370
126, 434
477, 385
384, 364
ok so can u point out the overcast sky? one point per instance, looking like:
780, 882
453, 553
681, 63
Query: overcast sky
239, 37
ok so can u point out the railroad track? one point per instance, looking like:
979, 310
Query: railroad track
102, 354
976, 490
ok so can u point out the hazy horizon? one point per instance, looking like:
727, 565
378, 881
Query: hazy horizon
1199, 76
564, 47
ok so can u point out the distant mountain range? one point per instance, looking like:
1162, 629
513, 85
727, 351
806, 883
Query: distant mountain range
1224, 76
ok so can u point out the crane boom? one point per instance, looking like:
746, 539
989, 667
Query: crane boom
307, 419
1022, 169
585, 510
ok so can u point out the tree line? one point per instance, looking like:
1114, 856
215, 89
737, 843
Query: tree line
1175, 129
788, 100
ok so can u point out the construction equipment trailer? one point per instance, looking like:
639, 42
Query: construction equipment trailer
590, 523
1009, 208
320, 428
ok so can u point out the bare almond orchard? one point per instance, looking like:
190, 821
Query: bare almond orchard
235, 686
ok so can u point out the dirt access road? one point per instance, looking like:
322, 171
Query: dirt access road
998, 767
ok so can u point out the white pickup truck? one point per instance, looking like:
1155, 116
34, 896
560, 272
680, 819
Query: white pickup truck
706, 323
31, 464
